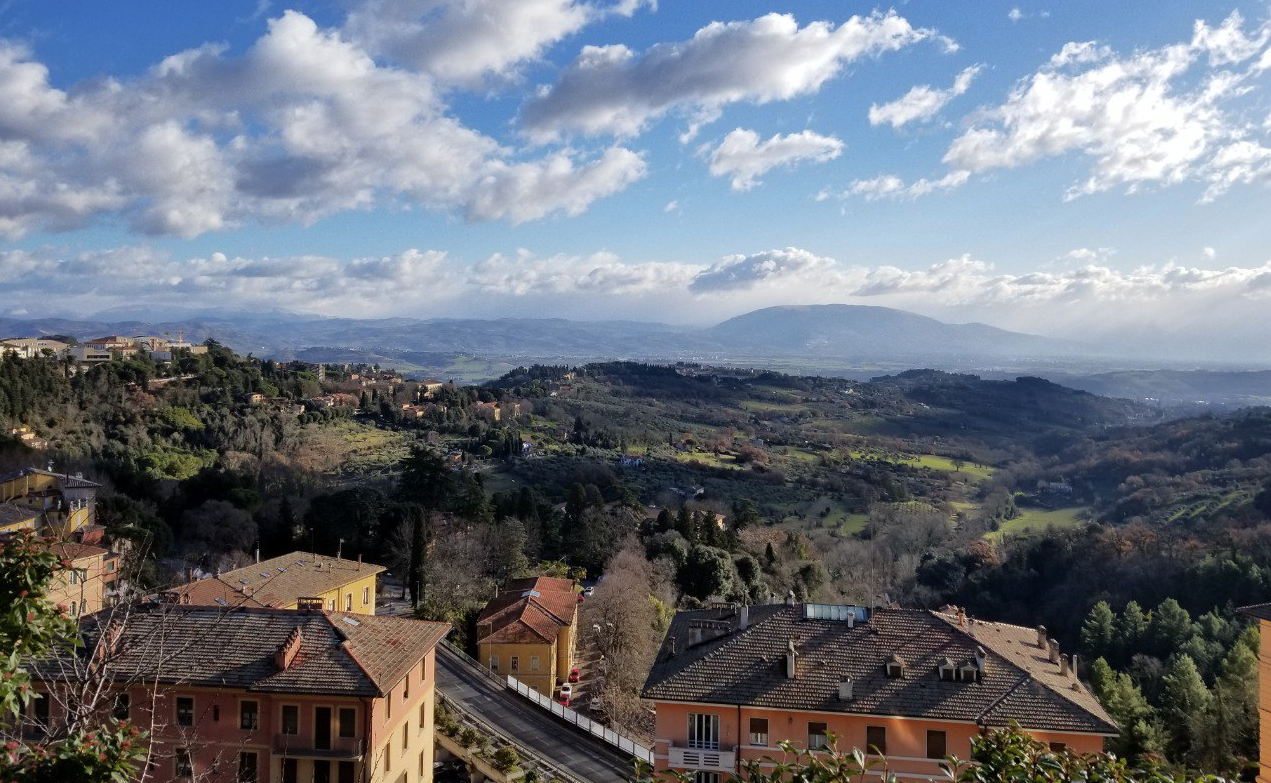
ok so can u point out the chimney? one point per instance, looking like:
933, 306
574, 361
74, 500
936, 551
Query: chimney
1054, 651
359, 561
290, 648
1041, 637
980, 657
790, 661
743, 617
851, 619
1074, 667
790, 598
1063, 666
257, 554
961, 618
845, 689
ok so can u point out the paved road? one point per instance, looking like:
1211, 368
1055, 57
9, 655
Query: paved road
531, 726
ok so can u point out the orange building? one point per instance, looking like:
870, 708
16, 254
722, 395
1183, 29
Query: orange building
285, 581
252, 695
82, 586
528, 631
1263, 614
730, 683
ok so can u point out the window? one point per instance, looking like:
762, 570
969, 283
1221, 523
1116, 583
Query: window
876, 740
290, 771
516, 662
494, 663
423, 715
406, 687
40, 711
290, 719
185, 710
74, 576
818, 736
366, 596
248, 715
247, 769
110, 565
331, 606
122, 704
706, 777
216, 712
405, 735
936, 745
348, 722
346, 772
1058, 747
388, 754
533, 663
759, 732
182, 766
421, 765
703, 731
72, 609
321, 771
348, 602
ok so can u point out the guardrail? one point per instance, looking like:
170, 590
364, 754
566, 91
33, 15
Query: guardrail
588, 725
548, 769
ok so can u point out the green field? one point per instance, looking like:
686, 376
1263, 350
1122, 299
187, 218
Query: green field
1035, 520
935, 462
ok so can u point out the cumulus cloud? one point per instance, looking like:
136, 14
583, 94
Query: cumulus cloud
742, 272
891, 187
1154, 117
744, 158
921, 103
614, 90
305, 123
465, 41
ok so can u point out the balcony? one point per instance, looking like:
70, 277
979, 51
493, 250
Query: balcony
303, 746
701, 758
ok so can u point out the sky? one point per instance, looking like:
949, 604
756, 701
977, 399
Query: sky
1086, 169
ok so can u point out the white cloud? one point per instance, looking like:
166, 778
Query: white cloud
891, 187
921, 103
614, 90
671, 206
1155, 117
305, 123
464, 41
744, 272
744, 158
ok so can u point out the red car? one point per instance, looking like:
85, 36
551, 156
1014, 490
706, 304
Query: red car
563, 700
574, 674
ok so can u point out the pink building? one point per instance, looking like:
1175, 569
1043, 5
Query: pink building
731, 683
256, 695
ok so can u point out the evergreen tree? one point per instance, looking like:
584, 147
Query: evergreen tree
1184, 703
420, 532
1170, 628
1231, 724
1098, 633
685, 526
1124, 701
1131, 628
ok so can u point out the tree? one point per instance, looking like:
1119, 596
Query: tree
420, 533
426, 479
1170, 628
708, 572
1230, 731
1131, 629
1184, 702
219, 527
1098, 632
1124, 701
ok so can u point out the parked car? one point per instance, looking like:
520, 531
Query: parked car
574, 674
595, 705
566, 690
563, 700
588, 592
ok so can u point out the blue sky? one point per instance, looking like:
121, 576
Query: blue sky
1096, 166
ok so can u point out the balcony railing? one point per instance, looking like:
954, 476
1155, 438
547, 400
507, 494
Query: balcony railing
701, 758
301, 745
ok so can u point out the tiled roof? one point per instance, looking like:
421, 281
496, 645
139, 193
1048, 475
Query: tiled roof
67, 480
1260, 611
279, 581
748, 667
340, 653
73, 550
528, 610
12, 514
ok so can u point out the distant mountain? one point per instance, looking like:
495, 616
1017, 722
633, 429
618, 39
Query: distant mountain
845, 331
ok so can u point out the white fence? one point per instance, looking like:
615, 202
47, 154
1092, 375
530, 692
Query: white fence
586, 724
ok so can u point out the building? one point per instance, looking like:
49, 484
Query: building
264, 695
429, 388
730, 683
83, 587
284, 582
89, 354
31, 347
528, 631
53, 504
1262, 612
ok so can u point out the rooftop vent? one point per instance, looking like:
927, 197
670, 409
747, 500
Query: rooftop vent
791, 661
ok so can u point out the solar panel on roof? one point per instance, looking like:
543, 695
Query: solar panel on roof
266, 574
221, 601
350, 621
531, 594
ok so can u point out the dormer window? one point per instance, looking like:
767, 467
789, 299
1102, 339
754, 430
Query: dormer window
895, 667
970, 672
947, 671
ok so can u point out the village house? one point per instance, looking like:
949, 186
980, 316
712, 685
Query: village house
83, 587
732, 682
528, 631
263, 695
27, 437
429, 388
51, 504
287, 581
1262, 613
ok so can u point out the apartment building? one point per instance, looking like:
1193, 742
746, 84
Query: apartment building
256, 695
31, 347
284, 582
1262, 613
50, 503
83, 587
730, 683
528, 631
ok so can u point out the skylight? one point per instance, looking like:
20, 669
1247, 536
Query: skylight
349, 620
836, 612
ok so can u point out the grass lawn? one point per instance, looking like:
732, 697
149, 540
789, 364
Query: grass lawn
764, 406
709, 458
935, 462
1035, 520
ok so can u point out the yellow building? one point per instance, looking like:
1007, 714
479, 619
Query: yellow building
528, 631
1263, 613
56, 504
82, 586
284, 582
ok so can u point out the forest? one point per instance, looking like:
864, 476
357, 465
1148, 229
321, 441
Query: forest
1133, 539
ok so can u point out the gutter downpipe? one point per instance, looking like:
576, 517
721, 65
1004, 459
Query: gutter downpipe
737, 751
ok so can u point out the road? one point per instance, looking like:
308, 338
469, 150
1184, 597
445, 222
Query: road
531, 726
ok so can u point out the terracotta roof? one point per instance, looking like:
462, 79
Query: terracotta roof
279, 581
528, 610
73, 550
339, 653
12, 514
733, 666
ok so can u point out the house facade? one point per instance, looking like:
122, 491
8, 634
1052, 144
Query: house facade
528, 631
56, 504
83, 587
732, 683
251, 695
1262, 612
283, 582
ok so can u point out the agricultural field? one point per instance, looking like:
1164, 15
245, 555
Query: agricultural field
1032, 521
